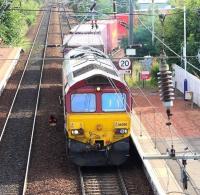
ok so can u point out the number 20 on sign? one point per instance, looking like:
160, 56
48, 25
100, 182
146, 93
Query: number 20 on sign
124, 63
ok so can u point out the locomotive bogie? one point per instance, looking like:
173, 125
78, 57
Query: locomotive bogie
85, 155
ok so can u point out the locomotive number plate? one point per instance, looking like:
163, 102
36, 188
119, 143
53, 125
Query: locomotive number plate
75, 125
121, 124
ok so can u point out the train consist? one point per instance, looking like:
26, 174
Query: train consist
97, 102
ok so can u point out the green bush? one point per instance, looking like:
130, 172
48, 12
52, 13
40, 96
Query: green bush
154, 77
14, 23
30, 15
13, 33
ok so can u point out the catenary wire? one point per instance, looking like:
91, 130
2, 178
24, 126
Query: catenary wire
169, 48
87, 12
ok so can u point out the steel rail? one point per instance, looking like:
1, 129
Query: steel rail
36, 109
61, 99
81, 182
123, 185
119, 177
22, 76
61, 28
68, 23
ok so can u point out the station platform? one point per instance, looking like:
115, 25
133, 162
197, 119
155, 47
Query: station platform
8, 60
152, 137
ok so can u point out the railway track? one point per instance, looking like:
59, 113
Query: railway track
16, 133
27, 134
9, 93
102, 180
50, 172
63, 176
127, 179
67, 21
134, 175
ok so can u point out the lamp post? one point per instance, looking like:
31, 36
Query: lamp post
185, 55
114, 9
185, 44
153, 21
130, 50
130, 33
162, 20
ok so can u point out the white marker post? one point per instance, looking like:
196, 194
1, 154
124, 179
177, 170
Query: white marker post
124, 67
124, 63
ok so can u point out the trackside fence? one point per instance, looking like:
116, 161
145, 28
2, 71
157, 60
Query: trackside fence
193, 83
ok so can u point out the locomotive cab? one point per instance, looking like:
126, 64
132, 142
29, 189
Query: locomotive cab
97, 107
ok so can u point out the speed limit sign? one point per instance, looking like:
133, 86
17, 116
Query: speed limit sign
124, 63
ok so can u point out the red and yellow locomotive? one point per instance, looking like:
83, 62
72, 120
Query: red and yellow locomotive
97, 107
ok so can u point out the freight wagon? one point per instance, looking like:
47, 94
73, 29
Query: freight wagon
104, 37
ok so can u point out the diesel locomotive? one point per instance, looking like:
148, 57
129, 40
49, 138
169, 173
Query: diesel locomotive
97, 106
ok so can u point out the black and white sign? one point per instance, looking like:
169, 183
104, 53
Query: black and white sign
125, 71
124, 64
130, 52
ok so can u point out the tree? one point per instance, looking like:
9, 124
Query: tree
177, 3
122, 6
174, 26
14, 23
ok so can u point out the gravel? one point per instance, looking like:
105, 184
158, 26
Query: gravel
50, 170
15, 143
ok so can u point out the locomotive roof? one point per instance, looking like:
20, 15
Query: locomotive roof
75, 40
85, 62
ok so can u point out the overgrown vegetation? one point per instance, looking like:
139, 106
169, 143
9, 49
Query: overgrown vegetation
154, 77
14, 23
134, 79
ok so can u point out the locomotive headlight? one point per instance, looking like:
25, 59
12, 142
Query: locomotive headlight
98, 88
77, 131
121, 131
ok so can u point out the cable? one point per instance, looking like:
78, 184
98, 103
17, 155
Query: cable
54, 58
168, 46
76, 30
171, 137
173, 129
116, 89
112, 84
87, 12
114, 58
131, 115
161, 115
